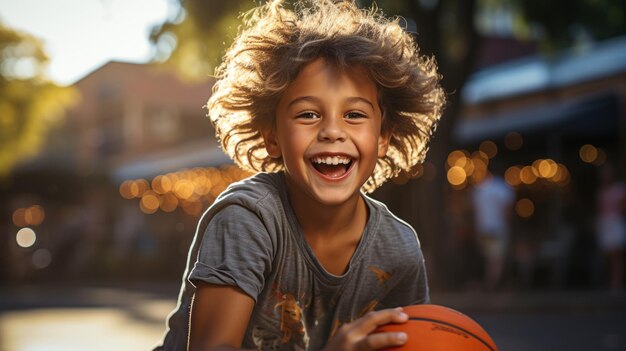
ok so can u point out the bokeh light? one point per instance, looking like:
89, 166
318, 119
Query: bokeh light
161, 184
601, 157
142, 186
202, 184
134, 189
168, 202
149, 202
480, 170
42, 258
527, 175
34, 215
457, 176
588, 153
512, 176
513, 141
547, 168
489, 148
18, 217
183, 189
524, 208
125, 189
28, 216
561, 176
26, 237
480, 155
456, 157
187, 189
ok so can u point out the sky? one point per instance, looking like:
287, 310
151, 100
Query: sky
81, 35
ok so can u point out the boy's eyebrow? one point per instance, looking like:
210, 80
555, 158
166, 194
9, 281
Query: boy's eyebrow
315, 99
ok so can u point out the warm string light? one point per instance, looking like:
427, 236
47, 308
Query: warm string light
28, 216
591, 154
541, 169
188, 189
465, 169
26, 237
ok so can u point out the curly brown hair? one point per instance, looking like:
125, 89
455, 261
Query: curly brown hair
275, 42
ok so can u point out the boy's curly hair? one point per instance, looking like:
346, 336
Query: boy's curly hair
274, 44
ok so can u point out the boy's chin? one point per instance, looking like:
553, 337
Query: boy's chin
335, 197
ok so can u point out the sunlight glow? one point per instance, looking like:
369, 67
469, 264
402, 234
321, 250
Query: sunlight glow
93, 32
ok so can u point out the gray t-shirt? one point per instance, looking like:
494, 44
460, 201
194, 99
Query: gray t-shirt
250, 238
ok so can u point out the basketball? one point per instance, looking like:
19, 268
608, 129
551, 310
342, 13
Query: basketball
439, 328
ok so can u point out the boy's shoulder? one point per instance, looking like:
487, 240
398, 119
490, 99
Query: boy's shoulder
391, 227
258, 194
254, 189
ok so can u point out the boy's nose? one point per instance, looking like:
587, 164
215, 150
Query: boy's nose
332, 130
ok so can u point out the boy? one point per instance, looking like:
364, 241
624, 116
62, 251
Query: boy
331, 100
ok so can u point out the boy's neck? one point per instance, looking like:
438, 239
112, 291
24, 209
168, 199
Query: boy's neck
328, 222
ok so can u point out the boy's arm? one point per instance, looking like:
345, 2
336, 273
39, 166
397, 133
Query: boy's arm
219, 317
234, 256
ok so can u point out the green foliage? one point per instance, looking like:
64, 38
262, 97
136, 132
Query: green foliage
566, 22
29, 104
195, 41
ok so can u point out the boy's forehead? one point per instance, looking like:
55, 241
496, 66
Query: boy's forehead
323, 74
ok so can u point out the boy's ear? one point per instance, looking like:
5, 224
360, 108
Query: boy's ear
271, 143
383, 143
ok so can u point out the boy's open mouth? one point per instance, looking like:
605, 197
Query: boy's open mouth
332, 166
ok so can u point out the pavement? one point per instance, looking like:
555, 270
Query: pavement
125, 317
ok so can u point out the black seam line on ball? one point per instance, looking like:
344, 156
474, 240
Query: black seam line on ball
455, 327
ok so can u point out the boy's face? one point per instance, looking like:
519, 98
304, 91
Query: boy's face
328, 132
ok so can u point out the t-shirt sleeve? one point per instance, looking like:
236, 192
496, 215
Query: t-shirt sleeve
236, 250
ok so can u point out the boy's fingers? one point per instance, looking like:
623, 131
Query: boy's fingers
372, 320
381, 340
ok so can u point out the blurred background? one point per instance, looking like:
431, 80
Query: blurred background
107, 161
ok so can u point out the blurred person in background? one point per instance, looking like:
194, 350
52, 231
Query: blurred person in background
611, 225
493, 201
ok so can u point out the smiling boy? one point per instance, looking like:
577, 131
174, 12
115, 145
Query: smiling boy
328, 133
327, 101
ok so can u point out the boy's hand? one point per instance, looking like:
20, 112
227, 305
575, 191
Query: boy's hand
356, 336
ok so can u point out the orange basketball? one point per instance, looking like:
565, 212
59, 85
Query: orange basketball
439, 328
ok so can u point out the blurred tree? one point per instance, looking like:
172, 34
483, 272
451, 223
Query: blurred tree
566, 23
29, 104
195, 40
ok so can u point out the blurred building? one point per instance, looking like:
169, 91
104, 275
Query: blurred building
547, 124
132, 113
93, 182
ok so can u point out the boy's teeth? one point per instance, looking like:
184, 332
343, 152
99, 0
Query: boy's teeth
332, 160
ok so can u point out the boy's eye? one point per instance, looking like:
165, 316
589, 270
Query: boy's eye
355, 115
307, 115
